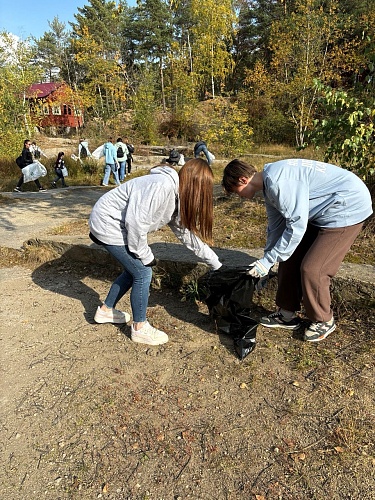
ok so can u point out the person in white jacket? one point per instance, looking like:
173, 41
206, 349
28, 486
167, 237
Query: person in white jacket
83, 149
122, 219
37, 152
122, 154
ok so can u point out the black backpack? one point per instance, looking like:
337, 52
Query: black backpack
37, 154
19, 161
120, 152
130, 148
83, 151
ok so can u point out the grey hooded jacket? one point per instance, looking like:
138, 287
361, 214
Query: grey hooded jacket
125, 216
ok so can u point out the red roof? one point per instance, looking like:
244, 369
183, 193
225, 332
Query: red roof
38, 90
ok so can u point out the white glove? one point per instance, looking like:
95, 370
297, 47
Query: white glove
257, 270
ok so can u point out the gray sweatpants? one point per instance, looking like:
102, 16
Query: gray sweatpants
307, 274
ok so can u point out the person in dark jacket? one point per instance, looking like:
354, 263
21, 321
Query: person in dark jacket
201, 147
59, 165
27, 159
129, 157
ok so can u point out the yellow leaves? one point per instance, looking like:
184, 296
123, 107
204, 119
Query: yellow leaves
210, 45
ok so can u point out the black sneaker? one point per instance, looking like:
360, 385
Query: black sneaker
17, 189
53, 185
42, 189
319, 330
277, 320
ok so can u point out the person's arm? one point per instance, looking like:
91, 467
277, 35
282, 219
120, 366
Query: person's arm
27, 157
114, 155
145, 210
195, 244
288, 216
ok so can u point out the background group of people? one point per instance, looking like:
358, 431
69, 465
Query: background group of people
32, 153
118, 160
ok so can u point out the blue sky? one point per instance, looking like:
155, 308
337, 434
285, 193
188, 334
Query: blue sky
26, 18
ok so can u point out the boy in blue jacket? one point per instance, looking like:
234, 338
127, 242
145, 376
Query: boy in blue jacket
111, 163
315, 211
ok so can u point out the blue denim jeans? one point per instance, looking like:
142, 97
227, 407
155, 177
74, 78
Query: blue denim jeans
202, 149
135, 276
110, 167
122, 172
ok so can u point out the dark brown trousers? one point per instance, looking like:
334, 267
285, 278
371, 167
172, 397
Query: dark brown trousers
307, 274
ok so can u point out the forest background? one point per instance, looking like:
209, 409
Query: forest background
237, 73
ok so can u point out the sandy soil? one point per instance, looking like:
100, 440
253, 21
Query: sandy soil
86, 413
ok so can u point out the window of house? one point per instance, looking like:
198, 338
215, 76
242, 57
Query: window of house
67, 110
45, 109
56, 110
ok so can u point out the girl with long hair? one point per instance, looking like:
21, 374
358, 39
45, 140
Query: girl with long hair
122, 219
59, 165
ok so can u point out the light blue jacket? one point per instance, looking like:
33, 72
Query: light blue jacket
125, 216
298, 192
110, 153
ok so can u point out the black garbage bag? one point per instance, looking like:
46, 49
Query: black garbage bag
229, 298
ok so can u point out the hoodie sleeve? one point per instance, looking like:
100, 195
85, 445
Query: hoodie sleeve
147, 211
195, 244
288, 214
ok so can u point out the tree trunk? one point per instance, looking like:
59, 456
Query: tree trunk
162, 85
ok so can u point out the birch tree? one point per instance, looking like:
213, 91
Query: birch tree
300, 44
16, 75
212, 40
99, 71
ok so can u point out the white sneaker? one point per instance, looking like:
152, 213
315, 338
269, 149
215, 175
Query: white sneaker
149, 335
111, 316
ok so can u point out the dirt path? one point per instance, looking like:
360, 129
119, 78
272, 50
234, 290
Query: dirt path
88, 414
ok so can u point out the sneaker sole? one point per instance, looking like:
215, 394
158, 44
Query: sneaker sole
115, 321
141, 340
285, 327
322, 337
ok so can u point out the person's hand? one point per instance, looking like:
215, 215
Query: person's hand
257, 270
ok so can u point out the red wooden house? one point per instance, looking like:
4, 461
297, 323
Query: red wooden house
55, 104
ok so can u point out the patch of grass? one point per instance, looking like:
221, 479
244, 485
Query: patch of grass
239, 223
11, 257
77, 227
362, 250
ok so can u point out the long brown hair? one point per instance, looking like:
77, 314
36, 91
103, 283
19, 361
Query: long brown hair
196, 198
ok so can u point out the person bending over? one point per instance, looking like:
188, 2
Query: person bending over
315, 211
122, 219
